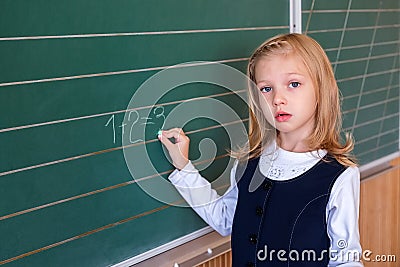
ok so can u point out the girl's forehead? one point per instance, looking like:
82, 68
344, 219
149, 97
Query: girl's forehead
280, 60
293, 57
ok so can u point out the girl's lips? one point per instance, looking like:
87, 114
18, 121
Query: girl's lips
282, 116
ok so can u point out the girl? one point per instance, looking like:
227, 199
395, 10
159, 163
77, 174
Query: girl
305, 211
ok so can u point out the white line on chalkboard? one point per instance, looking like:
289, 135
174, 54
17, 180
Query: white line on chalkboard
376, 136
120, 72
365, 58
107, 150
373, 104
102, 190
108, 226
367, 75
342, 35
372, 121
120, 34
351, 10
81, 196
118, 112
311, 11
84, 234
381, 89
361, 46
62, 160
379, 147
356, 28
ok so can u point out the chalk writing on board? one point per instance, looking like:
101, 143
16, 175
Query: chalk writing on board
133, 125
133, 122
112, 118
180, 113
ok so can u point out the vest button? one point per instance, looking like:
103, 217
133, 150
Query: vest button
267, 185
250, 264
259, 211
253, 239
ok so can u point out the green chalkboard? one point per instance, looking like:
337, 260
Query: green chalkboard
69, 69
79, 150
361, 39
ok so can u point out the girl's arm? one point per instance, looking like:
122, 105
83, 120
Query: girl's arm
217, 211
342, 220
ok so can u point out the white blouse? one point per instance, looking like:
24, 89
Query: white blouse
341, 211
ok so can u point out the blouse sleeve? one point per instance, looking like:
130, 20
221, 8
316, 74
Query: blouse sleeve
342, 220
217, 211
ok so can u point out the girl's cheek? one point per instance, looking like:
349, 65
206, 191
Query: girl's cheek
267, 111
268, 101
266, 98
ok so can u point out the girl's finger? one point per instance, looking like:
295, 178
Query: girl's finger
175, 133
166, 142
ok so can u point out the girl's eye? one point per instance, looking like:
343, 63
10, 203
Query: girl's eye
294, 84
265, 89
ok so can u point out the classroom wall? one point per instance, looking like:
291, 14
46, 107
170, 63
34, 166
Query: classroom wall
380, 217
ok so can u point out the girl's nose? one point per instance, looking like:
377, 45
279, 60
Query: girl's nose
279, 99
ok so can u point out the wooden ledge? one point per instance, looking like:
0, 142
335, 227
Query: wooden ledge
191, 253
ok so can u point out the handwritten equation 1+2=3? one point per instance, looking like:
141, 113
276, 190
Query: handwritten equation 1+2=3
134, 119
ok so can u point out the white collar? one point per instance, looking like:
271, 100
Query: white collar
280, 164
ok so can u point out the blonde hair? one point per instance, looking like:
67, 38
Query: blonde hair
326, 134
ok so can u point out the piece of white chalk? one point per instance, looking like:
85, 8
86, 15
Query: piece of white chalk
176, 265
159, 132
209, 251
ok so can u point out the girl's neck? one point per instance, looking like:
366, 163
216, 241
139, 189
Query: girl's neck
293, 145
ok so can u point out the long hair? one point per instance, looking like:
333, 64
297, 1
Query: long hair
328, 121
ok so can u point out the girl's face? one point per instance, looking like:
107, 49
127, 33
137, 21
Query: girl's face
290, 100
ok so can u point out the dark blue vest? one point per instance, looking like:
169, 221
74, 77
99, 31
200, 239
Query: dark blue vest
283, 223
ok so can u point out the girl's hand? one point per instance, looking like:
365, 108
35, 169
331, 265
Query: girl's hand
178, 151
